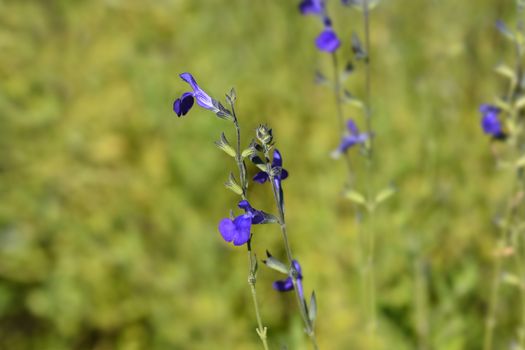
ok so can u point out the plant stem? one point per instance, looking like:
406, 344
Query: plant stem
252, 274
420, 300
490, 320
370, 261
293, 273
340, 116
252, 280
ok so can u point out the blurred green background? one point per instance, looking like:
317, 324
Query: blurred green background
110, 203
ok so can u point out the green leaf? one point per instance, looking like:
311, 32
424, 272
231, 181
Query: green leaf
355, 197
505, 71
385, 194
520, 103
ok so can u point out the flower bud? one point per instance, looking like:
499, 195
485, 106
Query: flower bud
264, 135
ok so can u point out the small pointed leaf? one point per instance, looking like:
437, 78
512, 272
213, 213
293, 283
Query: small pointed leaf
384, 194
355, 197
520, 103
505, 71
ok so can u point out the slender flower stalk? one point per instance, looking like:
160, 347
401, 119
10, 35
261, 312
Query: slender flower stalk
506, 125
252, 274
350, 137
370, 268
277, 193
236, 230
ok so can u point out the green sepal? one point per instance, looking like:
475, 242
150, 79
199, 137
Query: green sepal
275, 264
224, 145
231, 96
312, 308
233, 185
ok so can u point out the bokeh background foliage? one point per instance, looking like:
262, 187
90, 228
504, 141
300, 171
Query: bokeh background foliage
109, 203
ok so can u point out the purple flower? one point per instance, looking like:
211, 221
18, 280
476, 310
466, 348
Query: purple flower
353, 138
327, 41
277, 164
287, 284
257, 216
313, 7
238, 229
490, 122
182, 105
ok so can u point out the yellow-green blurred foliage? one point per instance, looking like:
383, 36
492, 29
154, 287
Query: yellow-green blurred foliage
109, 202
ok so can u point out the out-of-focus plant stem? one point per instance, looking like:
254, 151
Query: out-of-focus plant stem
370, 259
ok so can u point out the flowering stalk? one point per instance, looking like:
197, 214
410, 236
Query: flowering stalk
252, 275
370, 269
505, 123
236, 230
273, 172
351, 136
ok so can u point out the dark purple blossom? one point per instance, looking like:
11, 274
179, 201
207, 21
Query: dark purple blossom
287, 284
257, 216
490, 121
277, 164
312, 7
353, 137
238, 229
327, 41
182, 105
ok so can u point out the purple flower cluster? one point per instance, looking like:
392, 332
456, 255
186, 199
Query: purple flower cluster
327, 40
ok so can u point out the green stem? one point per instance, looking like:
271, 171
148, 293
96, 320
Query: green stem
370, 261
420, 300
252, 275
340, 116
490, 319
277, 197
